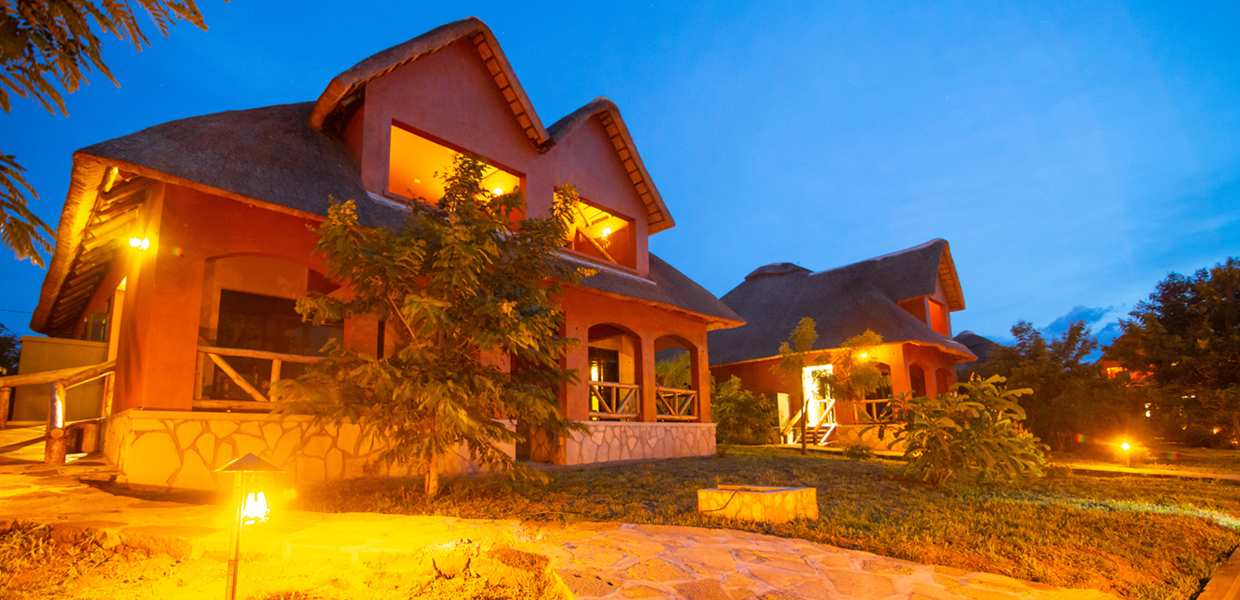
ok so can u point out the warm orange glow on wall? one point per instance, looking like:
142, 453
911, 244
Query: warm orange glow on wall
417, 165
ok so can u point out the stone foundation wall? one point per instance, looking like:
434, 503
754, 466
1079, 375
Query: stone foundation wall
623, 440
175, 449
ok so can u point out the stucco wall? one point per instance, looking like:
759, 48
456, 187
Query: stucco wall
30, 402
609, 441
175, 449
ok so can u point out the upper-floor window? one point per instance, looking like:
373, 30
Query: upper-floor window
417, 165
938, 317
603, 235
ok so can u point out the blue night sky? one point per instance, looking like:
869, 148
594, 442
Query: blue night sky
1073, 154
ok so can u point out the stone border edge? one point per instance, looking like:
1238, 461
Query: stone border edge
1225, 585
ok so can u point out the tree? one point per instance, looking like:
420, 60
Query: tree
1069, 396
792, 364
10, 351
47, 46
1186, 336
465, 287
852, 374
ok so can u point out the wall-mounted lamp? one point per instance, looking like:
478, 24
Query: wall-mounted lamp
140, 243
498, 191
606, 232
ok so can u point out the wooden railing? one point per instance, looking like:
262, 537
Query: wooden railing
216, 356
673, 404
613, 401
62, 380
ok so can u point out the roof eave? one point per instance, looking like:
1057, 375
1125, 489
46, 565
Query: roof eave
84, 181
712, 322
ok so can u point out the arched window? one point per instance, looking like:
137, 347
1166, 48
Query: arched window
917, 379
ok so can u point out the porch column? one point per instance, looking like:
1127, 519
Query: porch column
645, 377
701, 380
575, 397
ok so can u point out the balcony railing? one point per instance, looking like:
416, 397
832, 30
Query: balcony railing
62, 380
613, 401
673, 404
216, 355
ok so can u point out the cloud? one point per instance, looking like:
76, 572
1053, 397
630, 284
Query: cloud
1090, 315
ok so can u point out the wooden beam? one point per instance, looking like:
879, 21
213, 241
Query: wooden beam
89, 374
246, 353
246, 405
46, 376
6, 395
236, 377
124, 190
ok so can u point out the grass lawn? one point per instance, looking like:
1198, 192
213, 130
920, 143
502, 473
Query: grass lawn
1163, 456
1137, 537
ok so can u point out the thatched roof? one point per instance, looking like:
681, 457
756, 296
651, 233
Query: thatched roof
666, 287
657, 216
843, 302
980, 347
273, 157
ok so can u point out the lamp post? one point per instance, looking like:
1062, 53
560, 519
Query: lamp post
1125, 447
249, 509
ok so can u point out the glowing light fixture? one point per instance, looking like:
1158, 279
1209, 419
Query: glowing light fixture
1126, 447
255, 509
140, 243
250, 509
606, 232
864, 355
498, 191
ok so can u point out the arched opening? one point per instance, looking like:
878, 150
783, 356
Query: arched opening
943, 380
917, 380
876, 401
676, 377
615, 369
250, 326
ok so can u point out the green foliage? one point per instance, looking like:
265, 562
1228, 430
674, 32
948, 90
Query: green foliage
49, 45
675, 372
858, 452
1069, 395
464, 287
740, 416
970, 435
851, 376
10, 351
1186, 335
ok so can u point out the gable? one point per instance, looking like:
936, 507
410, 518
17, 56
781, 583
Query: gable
347, 88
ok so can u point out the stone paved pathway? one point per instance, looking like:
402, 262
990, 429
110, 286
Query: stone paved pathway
592, 560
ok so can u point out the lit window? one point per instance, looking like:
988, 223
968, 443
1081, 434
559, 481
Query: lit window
602, 235
417, 166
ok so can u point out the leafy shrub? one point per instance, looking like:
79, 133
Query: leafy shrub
741, 416
858, 452
970, 436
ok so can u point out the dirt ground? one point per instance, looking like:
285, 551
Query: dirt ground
36, 566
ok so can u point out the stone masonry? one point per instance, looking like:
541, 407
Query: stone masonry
181, 450
757, 503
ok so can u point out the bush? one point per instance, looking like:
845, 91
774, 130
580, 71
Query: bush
858, 452
741, 416
970, 436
